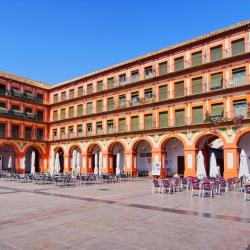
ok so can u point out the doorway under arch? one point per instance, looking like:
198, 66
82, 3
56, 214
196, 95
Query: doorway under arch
28, 160
7, 158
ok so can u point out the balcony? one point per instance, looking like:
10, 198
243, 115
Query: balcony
19, 114
20, 95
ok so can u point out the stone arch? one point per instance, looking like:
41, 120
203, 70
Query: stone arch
137, 141
165, 139
8, 153
38, 160
61, 151
70, 154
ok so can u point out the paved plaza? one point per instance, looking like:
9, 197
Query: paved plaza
119, 216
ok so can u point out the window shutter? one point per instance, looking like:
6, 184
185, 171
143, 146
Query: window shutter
80, 91
163, 119
238, 47
179, 63
71, 94
179, 89
240, 107
122, 125
216, 81
71, 112
79, 110
110, 83
217, 109
99, 86
197, 115
148, 121
163, 92
90, 88
110, 104
63, 114
89, 108
55, 117
196, 58
216, 53
163, 70
134, 123
197, 85
99, 106
179, 117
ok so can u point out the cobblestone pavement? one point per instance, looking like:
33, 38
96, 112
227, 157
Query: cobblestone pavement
119, 216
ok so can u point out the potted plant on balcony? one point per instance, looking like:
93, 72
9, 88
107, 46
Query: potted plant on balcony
238, 118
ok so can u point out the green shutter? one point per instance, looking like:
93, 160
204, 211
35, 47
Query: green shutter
197, 85
110, 83
99, 106
148, 120
179, 117
163, 70
134, 123
179, 89
99, 86
238, 47
90, 88
110, 103
55, 116
122, 125
179, 63
196, 58
71, 94
80, 91
63, 114
89, 108
163, 92
79, 110
216, 53
217, 109
197, 115
71, 112
216, 81
163, 119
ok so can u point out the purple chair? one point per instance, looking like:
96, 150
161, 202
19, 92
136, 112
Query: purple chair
156, 186
166, 186
196, 188
247, 191
207, 188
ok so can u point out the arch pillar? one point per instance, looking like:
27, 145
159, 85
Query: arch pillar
107, 163
159, 156
190, 161
231, 161
66, 163
44, 163
128, 163
20, 163
84, 167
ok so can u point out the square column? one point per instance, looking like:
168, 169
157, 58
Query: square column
190, 162
231, 162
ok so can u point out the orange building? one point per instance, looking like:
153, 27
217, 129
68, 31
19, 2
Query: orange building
159, 108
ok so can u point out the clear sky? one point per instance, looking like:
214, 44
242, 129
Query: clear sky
55, 40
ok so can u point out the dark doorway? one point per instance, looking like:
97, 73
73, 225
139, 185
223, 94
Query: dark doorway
61, 159
180, 165
93, 162
114, 163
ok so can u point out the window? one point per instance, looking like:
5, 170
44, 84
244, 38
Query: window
28, 133
99, 106
71, 94
55, 134
239, 76
122, 79
196, 58
163, 119
63, 135
163, 92
79, 130
39, 134
216, 53
71, 132
39, 115
134, 123
2, 89
79, 110
110, 125
122, 101
148, 72
55, 115
163, 68
29, 95
122, 125
99, 130
179, 89
55, 98
39, 97
197, 85
2, 130
217, 110
15, 107
240, 108
15, 131
216, 81
148, 121
179, 63
63, 96
16, 92
197, 115
135, 98
89, 88
80, 91
238, 47
179, 117
148, 93
110, 104
63, 113
89, 129
71, 112
28, 110
111, 83
135, 76
89, 108
99, 86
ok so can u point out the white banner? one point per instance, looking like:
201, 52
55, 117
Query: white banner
156, 168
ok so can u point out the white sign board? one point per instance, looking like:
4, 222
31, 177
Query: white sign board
156, 168
230, 160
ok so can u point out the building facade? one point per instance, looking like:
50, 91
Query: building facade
162, 107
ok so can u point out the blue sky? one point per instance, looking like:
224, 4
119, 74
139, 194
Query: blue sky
55, 40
